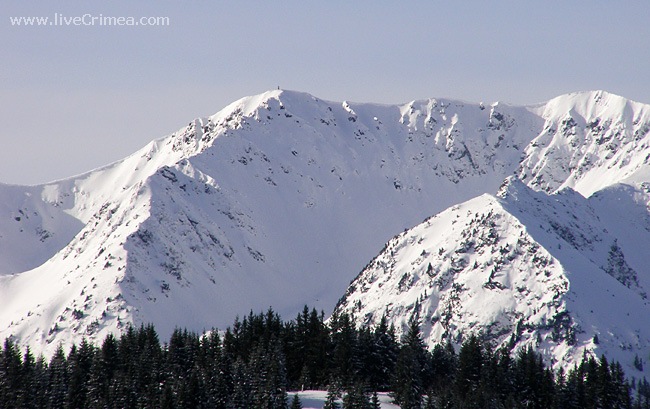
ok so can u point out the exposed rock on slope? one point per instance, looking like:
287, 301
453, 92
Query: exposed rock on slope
279, 198
522, 268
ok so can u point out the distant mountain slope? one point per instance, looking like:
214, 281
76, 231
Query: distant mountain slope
521, 269
277, 200
589, 141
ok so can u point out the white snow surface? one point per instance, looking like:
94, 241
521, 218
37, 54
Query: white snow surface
316, 399
281, 198
522, 268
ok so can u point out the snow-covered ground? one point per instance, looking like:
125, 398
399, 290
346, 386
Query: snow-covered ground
316, 399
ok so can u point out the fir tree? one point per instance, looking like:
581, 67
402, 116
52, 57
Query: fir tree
167, 399
374, 401
411, 369
384, 356
356, 398
57, 379
333, 395
241, 394
79, 364
10, 375
29, 391
443, 364
345, 362
643, 394
249, 369
295, 402
268, 381
40, 383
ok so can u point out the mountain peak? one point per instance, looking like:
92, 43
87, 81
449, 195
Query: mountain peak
510, 188
592, 104
525, 270
281, 197
248, 105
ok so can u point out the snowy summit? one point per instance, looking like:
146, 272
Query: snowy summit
280, 199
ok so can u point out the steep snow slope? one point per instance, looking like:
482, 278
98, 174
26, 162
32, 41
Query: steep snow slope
590, 140
274, 201
32, 230
278, 199
626, 214
521, 269
38, 221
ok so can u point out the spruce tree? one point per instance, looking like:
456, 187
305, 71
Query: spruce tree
277, 382
411, 369
333, 395
620, 387
374, 401
295, 402
28, 377
384, 356
57, 379
443, 364
249, 370
10, 375
643, 394
191, 391
345, 362
40, 382
430, 401
97, 383
356, 398
223, 386
167, 398
241, 394
470, 362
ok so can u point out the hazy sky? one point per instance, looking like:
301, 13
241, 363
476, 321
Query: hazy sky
73, 98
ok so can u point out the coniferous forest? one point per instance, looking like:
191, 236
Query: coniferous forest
254, 364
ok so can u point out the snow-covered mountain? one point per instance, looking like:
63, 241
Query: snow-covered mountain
558, 259
280, 198
522, 268
588, 141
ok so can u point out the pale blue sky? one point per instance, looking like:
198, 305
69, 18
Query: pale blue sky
75, 98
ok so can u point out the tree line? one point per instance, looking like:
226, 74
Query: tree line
256, 361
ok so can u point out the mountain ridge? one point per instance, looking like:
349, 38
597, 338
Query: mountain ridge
521, 269
264, 203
